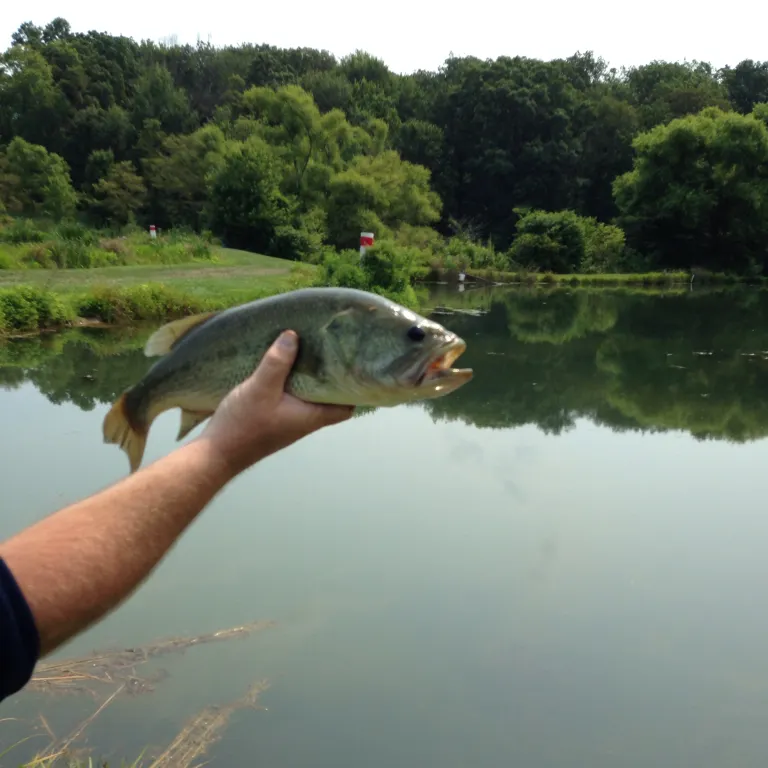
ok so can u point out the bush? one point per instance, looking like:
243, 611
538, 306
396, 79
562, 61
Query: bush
296, 244
551, 241
22, 231
73, 231
69, 254
386, 269
564, 242
391, 267
37, 256
138, 302
342, 269
26, 308
463, 253
604, 247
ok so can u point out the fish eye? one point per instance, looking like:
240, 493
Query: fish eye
416, 334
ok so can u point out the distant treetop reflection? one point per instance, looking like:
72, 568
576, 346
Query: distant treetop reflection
694, 361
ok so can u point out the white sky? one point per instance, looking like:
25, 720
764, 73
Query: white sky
420, 35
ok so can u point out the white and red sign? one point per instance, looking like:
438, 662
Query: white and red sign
366, 239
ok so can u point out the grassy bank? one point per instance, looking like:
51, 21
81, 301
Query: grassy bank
32, 298
30, 308
675, 278
68, 275
134, 296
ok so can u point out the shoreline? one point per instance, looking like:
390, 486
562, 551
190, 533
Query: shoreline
492, 277
154, 303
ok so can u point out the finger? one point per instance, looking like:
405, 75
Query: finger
276, 364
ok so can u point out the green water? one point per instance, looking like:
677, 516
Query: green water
561, 565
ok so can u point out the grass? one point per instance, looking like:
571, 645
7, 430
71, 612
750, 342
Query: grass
662, 278
111, 674
34, 299
57, 276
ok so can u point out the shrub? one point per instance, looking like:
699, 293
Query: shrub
138, 302
38, 256
296, 244
73, 231
386, 269
563, 241
27, 308
22, 231
604, 247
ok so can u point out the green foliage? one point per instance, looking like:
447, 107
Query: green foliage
71, 245
129, 304
342, 269
245, 201
461, 252
36, 182
747, 84
288, 151
178, 174
21, 231
119, 195
663, 91
27, 308
604, 248
760, 111
565, 242
549, 241
387, 269
698, 192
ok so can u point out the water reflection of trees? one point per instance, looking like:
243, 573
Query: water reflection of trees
83, 367
693, 362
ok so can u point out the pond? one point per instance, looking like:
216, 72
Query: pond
562, 564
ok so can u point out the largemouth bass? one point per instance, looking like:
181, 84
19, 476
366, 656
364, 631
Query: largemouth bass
355, 348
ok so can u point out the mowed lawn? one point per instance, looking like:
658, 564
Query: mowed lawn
234, 273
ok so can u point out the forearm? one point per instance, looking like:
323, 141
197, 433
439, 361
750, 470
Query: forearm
78, 564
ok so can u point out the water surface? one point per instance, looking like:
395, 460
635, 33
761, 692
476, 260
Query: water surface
562, 564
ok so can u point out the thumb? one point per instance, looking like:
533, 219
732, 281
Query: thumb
276, 364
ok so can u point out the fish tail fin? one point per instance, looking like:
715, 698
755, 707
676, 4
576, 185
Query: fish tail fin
120, 428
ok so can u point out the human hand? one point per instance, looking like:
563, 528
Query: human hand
259, 418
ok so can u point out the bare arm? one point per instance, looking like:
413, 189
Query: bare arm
78, 564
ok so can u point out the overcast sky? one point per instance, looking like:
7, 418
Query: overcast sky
420, 34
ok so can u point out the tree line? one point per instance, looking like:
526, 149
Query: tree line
563, 165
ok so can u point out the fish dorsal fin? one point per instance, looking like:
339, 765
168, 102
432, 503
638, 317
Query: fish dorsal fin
162, 341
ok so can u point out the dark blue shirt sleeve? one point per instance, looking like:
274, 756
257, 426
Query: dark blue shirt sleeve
19, 638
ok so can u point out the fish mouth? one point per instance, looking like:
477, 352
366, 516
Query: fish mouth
438, 374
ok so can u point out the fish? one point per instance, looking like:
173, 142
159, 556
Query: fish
355, 348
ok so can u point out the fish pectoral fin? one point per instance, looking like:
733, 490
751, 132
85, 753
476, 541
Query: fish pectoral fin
189, 420
346, 318
163, 340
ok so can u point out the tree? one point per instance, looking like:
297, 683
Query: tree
119, 195
31, 106
157, 98
39, 181
662, 91
551, 241
245, 204
747, 84
178, 176
698, 192
511, 140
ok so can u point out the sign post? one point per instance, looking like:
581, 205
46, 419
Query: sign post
152, 231
367, 240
